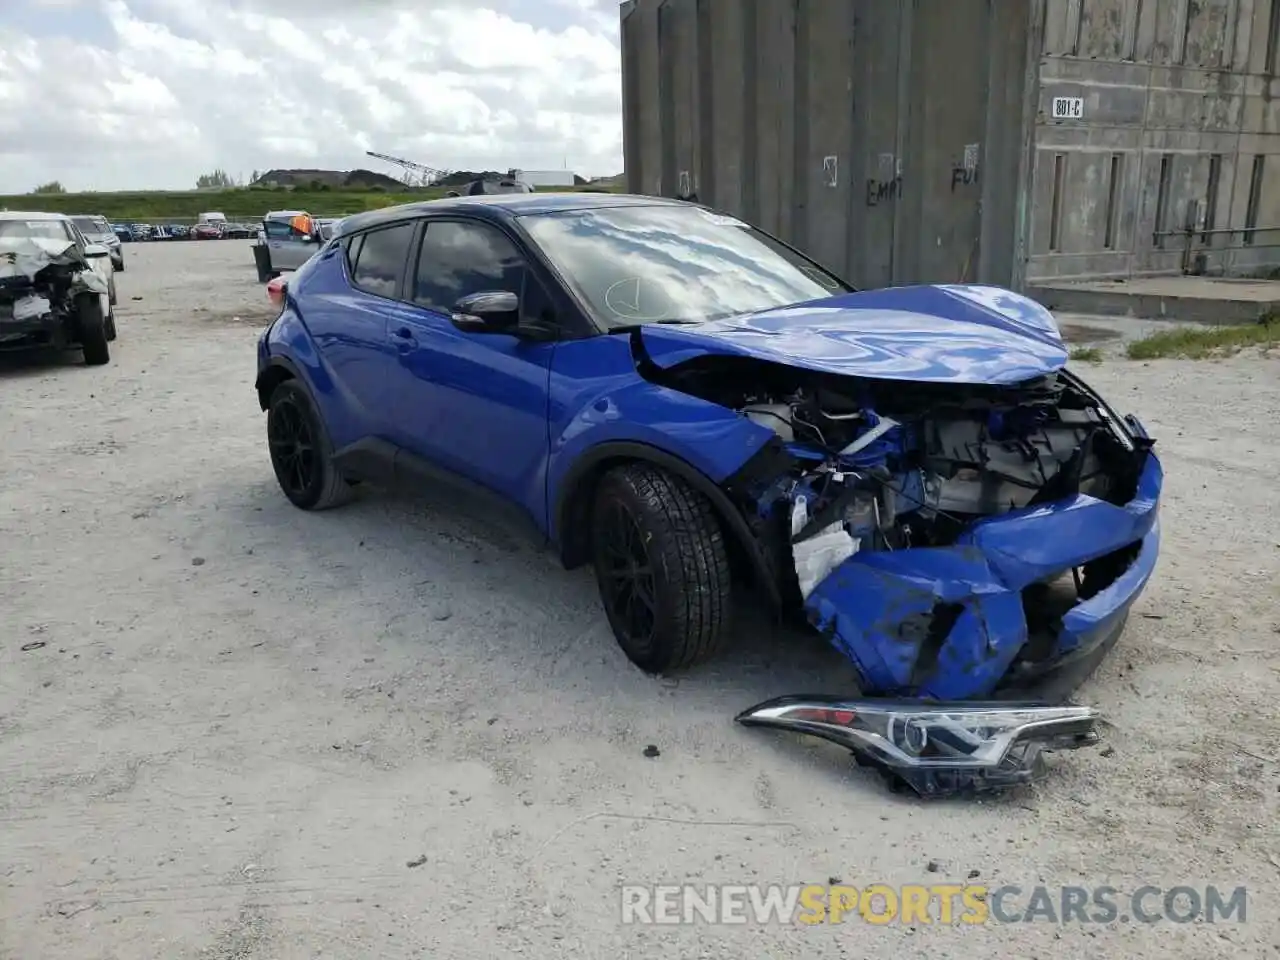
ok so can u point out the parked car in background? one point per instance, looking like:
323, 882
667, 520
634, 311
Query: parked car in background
98, 230
178, 231
286, 241
142, 231
206, 231
237, 231
495, 187
123, 231
212, 217
700, 411
56, 288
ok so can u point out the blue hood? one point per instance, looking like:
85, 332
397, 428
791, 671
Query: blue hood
934, 334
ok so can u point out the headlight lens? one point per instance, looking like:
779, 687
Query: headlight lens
937, 748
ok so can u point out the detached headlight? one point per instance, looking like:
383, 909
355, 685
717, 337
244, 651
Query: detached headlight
937, 748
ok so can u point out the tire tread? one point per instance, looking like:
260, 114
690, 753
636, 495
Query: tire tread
692, 554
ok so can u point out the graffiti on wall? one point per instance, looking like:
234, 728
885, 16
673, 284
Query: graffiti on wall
883, 191
886, 186
967, 172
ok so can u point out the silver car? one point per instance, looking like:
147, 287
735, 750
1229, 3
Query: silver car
281, 247
98, 230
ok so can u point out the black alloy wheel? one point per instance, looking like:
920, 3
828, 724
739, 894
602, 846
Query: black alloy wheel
293, 448
301, 454
626, 578
662, 568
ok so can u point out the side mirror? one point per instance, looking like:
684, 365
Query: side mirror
96, 250
492, 311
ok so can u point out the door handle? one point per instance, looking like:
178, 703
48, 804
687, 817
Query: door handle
404, 339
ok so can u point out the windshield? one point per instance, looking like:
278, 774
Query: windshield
45, 229
91, 226
674, 264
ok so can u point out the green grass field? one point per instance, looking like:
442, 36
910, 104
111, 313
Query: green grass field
238, 204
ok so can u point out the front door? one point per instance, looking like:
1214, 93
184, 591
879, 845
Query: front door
289, 248
474, 403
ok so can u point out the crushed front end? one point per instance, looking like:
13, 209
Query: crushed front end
954, 541
39, 281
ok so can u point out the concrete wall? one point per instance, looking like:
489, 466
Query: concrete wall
1168, 85
881, 136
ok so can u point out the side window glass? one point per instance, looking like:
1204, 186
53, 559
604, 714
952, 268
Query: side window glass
278, 229
351, 249
535, 303
379, 264
459, 259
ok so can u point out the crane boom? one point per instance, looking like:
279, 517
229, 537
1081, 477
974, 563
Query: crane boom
416, 174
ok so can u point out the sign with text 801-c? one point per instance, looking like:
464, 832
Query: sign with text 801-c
1068, 108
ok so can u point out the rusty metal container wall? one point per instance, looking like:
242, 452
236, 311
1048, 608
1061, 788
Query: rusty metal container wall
883, 137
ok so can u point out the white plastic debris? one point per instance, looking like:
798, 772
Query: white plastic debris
799, 515
820, 554
31, 307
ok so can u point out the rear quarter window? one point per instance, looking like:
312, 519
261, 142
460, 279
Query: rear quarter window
379, 261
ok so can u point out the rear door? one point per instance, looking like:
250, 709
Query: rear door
351, 293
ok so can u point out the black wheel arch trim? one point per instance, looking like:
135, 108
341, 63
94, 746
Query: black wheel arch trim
275, 363
572, 552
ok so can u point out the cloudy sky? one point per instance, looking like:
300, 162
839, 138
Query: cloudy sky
149, 94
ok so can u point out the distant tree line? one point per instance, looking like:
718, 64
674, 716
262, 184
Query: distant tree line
215, 180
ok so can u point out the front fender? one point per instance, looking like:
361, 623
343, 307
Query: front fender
597, 397
602, 411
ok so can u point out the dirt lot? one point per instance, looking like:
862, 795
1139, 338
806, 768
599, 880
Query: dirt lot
244, 722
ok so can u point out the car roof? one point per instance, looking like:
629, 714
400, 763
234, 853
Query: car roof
500, 206
31, 215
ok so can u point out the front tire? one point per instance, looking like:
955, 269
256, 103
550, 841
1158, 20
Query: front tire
301, 454
92, 330
662, 568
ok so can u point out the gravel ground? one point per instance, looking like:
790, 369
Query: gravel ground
246, 724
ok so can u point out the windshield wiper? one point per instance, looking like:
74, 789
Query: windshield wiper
628, 327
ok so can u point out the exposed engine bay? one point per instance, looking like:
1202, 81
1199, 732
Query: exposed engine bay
888, 465
971, 537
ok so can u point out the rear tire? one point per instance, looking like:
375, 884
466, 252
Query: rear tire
662, 568
301, 454
92, 330
111, 325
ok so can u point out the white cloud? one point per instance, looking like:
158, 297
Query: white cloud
152, 93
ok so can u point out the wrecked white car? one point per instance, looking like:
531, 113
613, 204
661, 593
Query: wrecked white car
57, 290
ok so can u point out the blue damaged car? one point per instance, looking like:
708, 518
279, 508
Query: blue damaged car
699, 411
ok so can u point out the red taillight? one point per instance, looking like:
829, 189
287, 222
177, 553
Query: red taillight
275, 292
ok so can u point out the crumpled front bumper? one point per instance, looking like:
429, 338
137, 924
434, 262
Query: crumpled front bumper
949, 623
